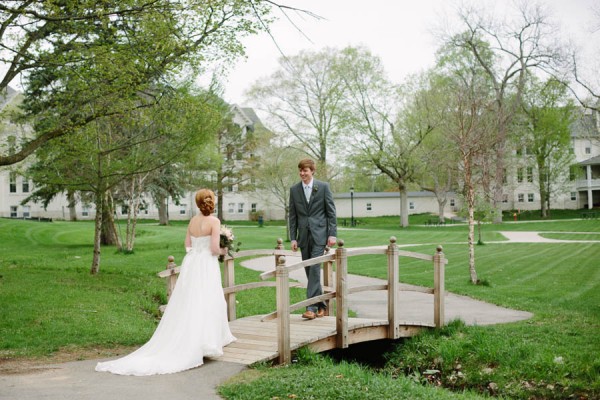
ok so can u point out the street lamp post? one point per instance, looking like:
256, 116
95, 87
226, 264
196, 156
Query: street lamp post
352, 206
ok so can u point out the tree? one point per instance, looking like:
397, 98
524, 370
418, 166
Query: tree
82, 60
385, 125
437, 172
583, 68
547, 127
112, 151
304, 99
277, 172
507, 54
469, 127
234, 158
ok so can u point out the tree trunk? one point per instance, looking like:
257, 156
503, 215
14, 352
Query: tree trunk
220, 204
403, 207
441, 206
109, 234
97, 232
71, 204
163, 210
287, 224
470, 198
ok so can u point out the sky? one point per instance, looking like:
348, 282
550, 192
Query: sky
400, 32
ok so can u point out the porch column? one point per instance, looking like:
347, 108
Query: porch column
589, 187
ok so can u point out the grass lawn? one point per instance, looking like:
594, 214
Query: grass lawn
52, 306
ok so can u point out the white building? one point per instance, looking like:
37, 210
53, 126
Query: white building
582, 189
522, 194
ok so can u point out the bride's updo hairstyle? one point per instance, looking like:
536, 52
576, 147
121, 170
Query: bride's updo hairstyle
205, 200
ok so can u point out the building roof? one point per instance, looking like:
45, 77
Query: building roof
586, 125
591, 161
246, 117
382, 195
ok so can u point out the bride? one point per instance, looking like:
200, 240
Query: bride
194, 324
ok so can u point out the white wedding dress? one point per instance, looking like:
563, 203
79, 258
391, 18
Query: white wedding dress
193, 326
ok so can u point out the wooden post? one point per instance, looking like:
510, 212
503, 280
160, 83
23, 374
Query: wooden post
393, 289
341, 295
278, 247
172, 279
229, 281
282, 278
438, 288
328, 280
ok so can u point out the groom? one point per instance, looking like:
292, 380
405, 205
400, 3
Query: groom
312, 223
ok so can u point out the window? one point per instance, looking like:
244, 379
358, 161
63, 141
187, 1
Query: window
240, 208
452, 203
231, 208
573, 196
530, 197
519, 175
504, 180
519, 151
253, 207
411, 205
26, 212
13, 183
182, 209
13, 211
124, 209
588, 150
25, 185
369, 208
529, 174
85, 211
521, 198
504, 198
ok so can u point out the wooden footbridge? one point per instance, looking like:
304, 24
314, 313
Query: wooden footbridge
276, 335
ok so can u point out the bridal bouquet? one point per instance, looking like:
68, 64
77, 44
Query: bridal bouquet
226, 240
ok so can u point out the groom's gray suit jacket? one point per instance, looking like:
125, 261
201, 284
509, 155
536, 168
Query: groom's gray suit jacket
316, 217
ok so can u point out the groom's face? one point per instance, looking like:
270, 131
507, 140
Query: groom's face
306, 174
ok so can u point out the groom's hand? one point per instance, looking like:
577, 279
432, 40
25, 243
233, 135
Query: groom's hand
294, 245
331, 241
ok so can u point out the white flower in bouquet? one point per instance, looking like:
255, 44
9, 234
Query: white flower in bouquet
226, 239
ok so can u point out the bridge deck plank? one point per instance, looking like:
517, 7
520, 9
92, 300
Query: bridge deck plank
257, 340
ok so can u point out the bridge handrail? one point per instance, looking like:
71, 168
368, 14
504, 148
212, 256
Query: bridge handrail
305, 263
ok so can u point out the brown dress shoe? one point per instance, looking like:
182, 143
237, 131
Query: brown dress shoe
309, 315
321, 313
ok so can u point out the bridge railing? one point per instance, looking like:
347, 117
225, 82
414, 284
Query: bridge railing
339, 292
342, 290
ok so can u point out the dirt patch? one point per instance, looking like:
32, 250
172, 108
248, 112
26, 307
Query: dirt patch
32, 365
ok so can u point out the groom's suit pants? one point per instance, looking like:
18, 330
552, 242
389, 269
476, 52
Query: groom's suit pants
313, 272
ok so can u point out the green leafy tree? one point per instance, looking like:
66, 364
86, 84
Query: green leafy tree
277, 172
115, 152
547, 136
303, 98
234, 155
385, 124
84, 60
